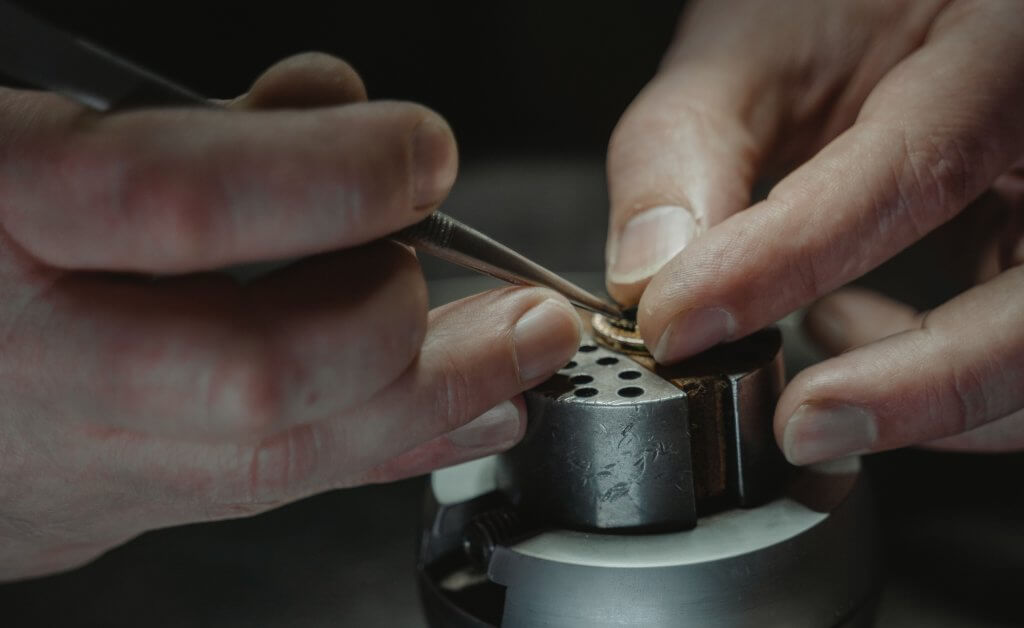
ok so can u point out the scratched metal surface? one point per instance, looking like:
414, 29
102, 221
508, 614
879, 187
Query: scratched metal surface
622, 452
955, 523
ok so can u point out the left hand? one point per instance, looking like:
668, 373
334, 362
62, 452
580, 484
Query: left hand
129, 402
896, 116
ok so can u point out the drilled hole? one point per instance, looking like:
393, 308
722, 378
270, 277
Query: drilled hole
631, 391
580, 379
629, 375
588, 348
607, 360
585, 392
570, 365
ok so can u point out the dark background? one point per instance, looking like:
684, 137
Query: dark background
512, 77
532, 90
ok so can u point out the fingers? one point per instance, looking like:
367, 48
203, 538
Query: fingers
736, 99
458, 400
852, 317
304, 81
682, 158
920, 151
1002, 435
494, 431
180, 190
677, 164
478, 353
960, 369
205, 358
451, 405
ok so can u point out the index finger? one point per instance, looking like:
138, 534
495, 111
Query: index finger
179, 190
923, 147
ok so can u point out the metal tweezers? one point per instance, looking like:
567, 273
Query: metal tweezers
38, 53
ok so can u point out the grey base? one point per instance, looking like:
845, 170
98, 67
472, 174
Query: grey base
807, 559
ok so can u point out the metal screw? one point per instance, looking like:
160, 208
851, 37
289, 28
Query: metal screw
487, 531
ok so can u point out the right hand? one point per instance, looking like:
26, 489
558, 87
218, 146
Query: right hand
131, 403
888, 119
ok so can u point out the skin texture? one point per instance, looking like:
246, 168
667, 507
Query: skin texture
141, 389
885, 120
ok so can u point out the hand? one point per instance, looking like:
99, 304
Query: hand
890, 119
132, 402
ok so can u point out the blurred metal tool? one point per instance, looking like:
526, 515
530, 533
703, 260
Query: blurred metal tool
442, 236
38, 53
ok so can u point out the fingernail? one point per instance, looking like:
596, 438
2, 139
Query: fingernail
648, 241
545, 338
693, 333
815, 433
498, 427
434, 163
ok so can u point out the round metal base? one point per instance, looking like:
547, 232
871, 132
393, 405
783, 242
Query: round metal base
805, 559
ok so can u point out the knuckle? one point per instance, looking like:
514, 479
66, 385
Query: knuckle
956, 393
645, 121
932, 179
245, 393
453, 395
806, 272
811, 384
807, 266
376, 172
968, 392
69, 165
281, 467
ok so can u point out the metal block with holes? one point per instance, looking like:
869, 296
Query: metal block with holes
558, 530
616, 441
608, 446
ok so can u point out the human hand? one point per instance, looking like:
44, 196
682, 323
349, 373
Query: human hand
132, 402
892, 117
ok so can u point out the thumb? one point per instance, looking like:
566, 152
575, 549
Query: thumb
681, 159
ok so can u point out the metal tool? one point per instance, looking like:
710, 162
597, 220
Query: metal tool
40, 54
442, 236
